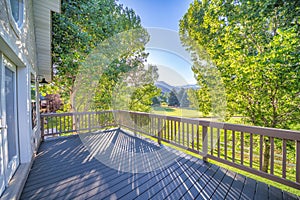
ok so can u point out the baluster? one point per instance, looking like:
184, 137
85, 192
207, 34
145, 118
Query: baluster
204, 142
225, 144
261, 138
159, 132
219, 147
188, 135
242, 148
251, 149
198, 138
233, 146
211, 141
283, 158
272, 155
193, 146
183, 133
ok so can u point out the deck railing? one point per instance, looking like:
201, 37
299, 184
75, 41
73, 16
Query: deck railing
239, 146
58, 124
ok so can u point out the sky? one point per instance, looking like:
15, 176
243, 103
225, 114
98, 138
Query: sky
161, 19
159, 13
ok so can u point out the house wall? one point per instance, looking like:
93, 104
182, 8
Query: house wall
26, 46
18, 45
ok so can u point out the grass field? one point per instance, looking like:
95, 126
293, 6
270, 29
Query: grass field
178, 112
189, 113
192, 113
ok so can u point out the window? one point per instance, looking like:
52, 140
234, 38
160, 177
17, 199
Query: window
17, 11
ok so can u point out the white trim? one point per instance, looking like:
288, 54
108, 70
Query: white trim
2, 161
12, 165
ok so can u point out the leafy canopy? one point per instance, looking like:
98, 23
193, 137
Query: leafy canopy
76, 32
255, 46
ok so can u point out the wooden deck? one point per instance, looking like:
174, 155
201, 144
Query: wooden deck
66, 169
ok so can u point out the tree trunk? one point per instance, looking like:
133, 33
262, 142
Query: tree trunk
266, 154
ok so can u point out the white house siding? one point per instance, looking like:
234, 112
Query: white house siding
19, 46
20, 50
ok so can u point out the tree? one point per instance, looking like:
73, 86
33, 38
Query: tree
77, 31
183, 98
200, 100
173, 100
141, 98
155, 101
254, 46
136, 90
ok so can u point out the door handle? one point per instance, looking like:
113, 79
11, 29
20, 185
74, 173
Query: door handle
3, 127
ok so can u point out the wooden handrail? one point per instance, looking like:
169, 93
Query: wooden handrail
223, 142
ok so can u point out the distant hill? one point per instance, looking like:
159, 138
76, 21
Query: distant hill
166, 88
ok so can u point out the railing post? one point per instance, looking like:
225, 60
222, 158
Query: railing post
298, 161
135, 124
89, 122
119, 114
204, 142
42, 127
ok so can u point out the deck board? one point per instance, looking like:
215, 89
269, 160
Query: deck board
65, 168
262, 191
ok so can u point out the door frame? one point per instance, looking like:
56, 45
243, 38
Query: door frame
2, 127
10, 166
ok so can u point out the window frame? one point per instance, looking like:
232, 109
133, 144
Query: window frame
17, 25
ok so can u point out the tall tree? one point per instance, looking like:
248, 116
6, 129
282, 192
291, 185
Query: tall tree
255, 46
77, 30
199, 99
183, 98
136, 89
173, 100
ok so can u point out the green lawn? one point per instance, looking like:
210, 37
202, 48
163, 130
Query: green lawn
178, 112
192, 113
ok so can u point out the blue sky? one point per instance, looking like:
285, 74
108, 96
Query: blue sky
159, 13
162, 17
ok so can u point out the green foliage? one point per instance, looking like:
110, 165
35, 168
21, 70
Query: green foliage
135, 89
155, 101
200, 100
255, 46
183, 98
76, 31
173, 100
141, 98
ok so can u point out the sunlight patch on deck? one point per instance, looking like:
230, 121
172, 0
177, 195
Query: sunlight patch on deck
126, 153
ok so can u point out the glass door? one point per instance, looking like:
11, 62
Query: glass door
10, 117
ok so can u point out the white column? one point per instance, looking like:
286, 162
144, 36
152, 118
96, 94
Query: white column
24, 114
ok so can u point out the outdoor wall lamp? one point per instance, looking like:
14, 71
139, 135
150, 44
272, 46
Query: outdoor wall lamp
42, 80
